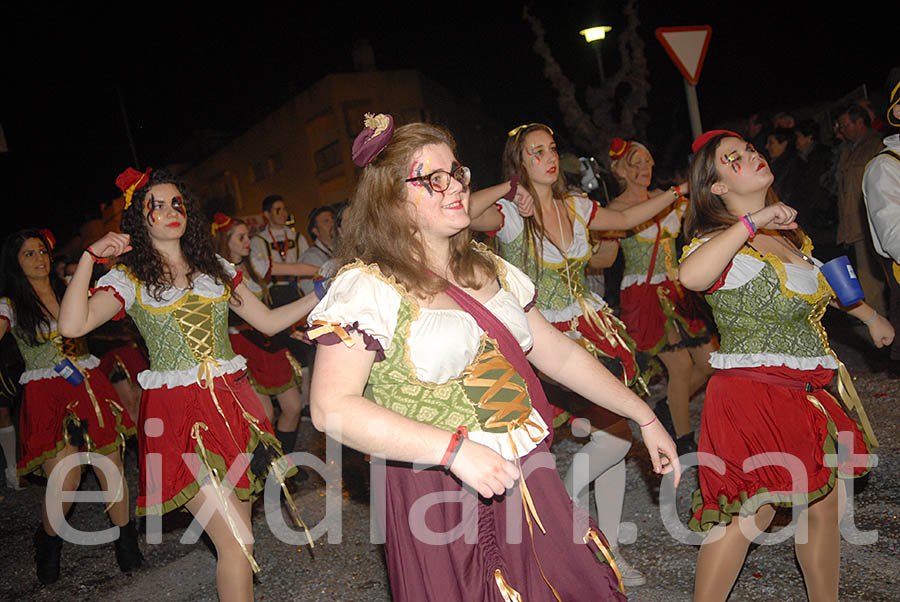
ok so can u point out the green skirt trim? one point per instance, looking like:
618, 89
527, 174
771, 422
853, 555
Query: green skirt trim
36, 464
762, 496
217, 462
272, 391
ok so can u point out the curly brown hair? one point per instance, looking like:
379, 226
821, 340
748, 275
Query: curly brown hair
707, 212
145, 262
514, 164
378, 227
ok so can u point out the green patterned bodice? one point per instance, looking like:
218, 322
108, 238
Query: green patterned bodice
50, 350
558, 284
181, 335
488, 396
762, 317
638, 252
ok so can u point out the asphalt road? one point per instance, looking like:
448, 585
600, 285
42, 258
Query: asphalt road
346, 566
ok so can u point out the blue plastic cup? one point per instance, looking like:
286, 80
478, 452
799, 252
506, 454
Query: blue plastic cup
69, 371
840, 275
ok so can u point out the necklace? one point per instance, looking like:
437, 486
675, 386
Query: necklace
799, 254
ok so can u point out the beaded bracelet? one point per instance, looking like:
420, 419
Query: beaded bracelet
456, 442
874, 315
748, 223
95, 257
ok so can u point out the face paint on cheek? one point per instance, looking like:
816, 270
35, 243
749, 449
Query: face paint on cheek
535, 158
731, 160
151, 212
178, 205
416, 171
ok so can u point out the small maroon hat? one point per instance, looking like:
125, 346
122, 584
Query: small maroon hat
375, 136
705, 137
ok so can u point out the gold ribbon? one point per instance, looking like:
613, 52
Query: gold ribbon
295, 365
895, 269
121, 438
323, 328
508, 593
529, 509
217, 487
846, 390
94, 402
602, 322
205, 380
73, 417
494, 360
592, 535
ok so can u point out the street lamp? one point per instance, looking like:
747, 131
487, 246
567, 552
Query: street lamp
593, 36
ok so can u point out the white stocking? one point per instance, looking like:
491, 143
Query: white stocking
605, 454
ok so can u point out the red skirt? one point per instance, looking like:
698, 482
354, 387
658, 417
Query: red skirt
49, 405
646, 309
422, 569
185, 420
620, 348
799, 430
271, 373
128, 357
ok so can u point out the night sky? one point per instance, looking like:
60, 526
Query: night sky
63, 72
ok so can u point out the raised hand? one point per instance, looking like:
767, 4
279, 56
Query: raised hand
524, 202
111, 245
775, 217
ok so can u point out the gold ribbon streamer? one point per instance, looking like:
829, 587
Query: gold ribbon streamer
205, 380
217, 487
323, 328
846, 390
529, 509
594, 536
121, 437
94, 402
295, 365
73, 417
508, 593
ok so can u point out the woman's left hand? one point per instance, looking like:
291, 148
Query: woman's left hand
881, 331
661, 448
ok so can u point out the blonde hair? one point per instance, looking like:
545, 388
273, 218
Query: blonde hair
626, 161
378, 227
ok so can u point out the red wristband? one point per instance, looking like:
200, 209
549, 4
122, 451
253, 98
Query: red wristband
95, 257
456, 442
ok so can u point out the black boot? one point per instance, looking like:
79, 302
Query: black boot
685, 444
665, 416
128, 554
46, 555
288, 439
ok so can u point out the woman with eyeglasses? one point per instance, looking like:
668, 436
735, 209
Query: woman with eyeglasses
425, 343
778, 436
664, 320
550, 242
68, 404
206, 443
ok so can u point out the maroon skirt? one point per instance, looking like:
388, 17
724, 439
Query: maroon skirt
799, 431
49, 404
128, 358
491, 535
647, 308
